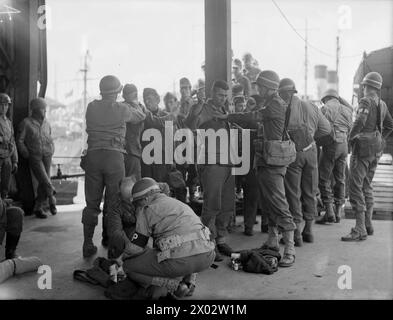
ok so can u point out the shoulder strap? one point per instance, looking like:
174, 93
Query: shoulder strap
287, 115
379, 116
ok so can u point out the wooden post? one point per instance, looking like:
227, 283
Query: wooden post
218, 53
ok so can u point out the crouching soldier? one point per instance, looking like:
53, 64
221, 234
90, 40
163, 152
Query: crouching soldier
11, 222
182, 245
36, 144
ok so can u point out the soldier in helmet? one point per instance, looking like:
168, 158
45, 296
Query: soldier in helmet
239, 78
301, 178
373, 124
251, 71
333, 158
35, 143
104, 164
182, 245
8, 152
270, 121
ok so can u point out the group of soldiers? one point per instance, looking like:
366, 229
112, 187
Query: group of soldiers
298, 152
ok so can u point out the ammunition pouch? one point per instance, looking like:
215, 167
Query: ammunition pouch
279, 153
166, 244
301, 137
368, 144
326, 140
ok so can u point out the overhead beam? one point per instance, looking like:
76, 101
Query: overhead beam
218, 53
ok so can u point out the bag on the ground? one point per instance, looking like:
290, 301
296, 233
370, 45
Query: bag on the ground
260, 261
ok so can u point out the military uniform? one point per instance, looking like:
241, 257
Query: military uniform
11, 223
35, 143
301, 179
8, 154
182, 244
245, 83
271, 178
133, 145
333, 159
217, 180
372, 120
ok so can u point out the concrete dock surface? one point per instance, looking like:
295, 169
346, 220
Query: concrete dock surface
367, 266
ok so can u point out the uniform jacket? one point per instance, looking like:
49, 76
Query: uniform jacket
34, 138
134, 130
304, 113
340, 118
367, 115
121, 220
185, 106
7, 140
165, 217
106, 124
207, 120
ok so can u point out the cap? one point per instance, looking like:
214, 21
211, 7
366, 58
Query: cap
129, 88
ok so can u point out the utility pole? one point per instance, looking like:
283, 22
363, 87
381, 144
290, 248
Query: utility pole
55, 84
84, 70
306, 62
337, 57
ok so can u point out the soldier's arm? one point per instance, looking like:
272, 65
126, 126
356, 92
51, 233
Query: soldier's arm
141, 236
14, 154
387, 125
191, 121
153, 121
361, 118
21, 140
246, 120
323, 125
136, 114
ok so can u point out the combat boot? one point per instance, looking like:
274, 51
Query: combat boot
339, 208
298, 236
248, 232
11, 243
224, 249
272, 240
288, 258
218, 256
354, 235
89, 249
40, 214
359, 232
368, 223
329, 216
307, 232
264, 228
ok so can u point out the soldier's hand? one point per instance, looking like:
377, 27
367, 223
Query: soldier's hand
14, 168
221, 116
119, 260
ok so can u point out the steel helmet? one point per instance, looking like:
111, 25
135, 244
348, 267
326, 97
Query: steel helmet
184, 82
373, 79
143, 188
5, 98
330, 93
37, 103
287, 84
110, 84
268, 79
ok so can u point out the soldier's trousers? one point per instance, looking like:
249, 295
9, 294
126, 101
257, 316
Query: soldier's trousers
132, 166
271, 181
104, 170
218, 185
301, 185
250, 200
361, 174
5, 176
146, 270
333, 161
14, 223
41, 170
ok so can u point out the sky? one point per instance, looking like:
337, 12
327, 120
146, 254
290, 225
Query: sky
153, 43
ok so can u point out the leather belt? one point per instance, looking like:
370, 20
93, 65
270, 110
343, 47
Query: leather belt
308, 147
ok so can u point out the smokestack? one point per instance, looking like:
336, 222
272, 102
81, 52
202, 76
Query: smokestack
321, 80
332, 79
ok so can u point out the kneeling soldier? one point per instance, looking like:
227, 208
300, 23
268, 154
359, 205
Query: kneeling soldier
182, 245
